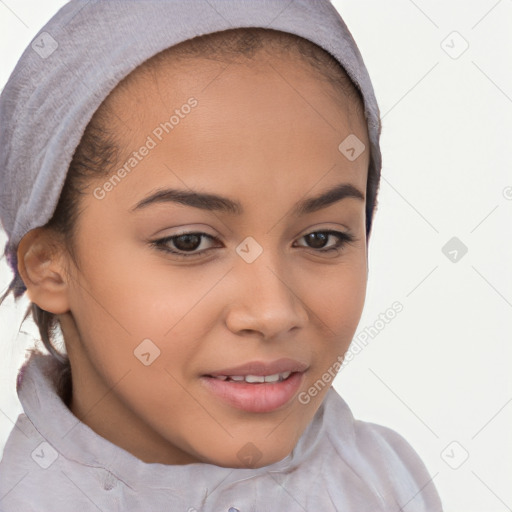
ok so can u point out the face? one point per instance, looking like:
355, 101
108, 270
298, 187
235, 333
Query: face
175, 292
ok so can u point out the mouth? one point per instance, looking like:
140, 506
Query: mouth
252, 379
257, 387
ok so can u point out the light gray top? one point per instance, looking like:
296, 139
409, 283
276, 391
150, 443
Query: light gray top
52, 462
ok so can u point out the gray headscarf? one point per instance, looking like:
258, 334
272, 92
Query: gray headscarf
88, 47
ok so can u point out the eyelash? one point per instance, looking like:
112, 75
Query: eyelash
161, 244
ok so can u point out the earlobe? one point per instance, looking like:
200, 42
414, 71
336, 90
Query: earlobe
41, 269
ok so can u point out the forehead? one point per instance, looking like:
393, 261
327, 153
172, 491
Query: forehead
253, 118
162, 81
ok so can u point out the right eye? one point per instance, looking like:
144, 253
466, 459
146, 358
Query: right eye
184, 243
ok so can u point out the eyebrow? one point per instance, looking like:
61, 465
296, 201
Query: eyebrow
214, 202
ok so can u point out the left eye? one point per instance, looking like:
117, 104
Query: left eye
319, 237
191, 242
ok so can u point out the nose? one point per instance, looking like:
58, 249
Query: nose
265, 298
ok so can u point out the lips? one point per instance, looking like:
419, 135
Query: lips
257, 386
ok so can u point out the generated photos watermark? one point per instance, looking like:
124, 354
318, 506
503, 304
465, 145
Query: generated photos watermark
157, 135
358, 344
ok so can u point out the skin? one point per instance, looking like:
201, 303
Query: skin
253, 138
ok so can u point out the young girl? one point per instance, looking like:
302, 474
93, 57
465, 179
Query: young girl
188, 191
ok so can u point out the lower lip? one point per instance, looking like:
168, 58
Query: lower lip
258, 397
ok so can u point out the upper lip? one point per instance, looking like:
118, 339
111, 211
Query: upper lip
262, 368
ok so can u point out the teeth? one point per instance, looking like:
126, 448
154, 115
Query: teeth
256, 378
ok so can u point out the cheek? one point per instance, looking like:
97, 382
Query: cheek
136, 289
339, 295
129, 314
125, 297
337, 304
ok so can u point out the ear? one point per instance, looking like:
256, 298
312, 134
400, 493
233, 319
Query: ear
41, 267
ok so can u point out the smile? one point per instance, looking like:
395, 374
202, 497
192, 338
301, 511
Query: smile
254, 393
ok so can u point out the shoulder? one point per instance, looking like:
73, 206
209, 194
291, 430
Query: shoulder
34, 474
386, 459
385, 445
16, 464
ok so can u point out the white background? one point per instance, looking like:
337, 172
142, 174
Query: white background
437, 373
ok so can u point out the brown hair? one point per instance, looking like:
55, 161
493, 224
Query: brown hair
99, 150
